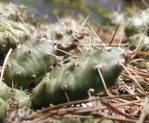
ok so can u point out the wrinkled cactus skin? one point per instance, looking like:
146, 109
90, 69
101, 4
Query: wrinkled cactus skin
68, 34
6, 94
29, 62
77, 77
3, 108
13, 33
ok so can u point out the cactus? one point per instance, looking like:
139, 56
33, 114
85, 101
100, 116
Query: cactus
29, 62
6, 93
65, 34
113, 19
139, 42
68, 34
10, 11
13, 33
3, 108
6, 96
135, 24
77, 77
138, 23
17, 13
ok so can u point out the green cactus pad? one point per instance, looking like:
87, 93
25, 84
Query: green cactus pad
138, 23
68, 34
75, 78
29, 62
7, 93
3, 108
65, 34
13, 33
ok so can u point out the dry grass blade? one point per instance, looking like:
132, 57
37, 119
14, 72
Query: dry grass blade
85, 20
141, 52
132, 77
4, 65
114, 34
103, 81
66, 52
75, 111
97, 36
145, 3
106, 103
140, 72
139, 44
122, 34
58, 109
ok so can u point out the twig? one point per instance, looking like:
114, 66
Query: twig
106, 103
114, 34
90, 100
97, 36
76, 110
66, 52
132, 77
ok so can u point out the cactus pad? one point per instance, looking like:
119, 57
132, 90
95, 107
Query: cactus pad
77, 77
13, 33
29, 62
